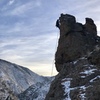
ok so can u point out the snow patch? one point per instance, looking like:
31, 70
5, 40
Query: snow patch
83, 76
88, 71
67, 89
66, 79
66, 83
91, 65
83, 58
82, 93
75, 62
83, 87
82, 96
94, 78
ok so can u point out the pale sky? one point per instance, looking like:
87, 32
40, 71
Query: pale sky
28, 35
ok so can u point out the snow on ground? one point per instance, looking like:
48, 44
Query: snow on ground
67, 89
82, 89
75, 62
82, 96
95, 78
88, 71
66, 84
82, 58
83, 76
82, 93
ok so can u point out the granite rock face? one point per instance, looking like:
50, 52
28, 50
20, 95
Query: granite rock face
77, 60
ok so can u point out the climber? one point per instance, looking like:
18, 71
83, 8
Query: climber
57, 24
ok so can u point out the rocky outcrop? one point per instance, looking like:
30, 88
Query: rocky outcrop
78, 80
77, 60
75, 39
90, 27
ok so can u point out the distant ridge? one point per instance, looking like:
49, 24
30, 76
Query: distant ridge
15, 79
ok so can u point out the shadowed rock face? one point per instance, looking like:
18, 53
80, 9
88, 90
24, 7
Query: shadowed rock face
90, 27
75, 39
77, 60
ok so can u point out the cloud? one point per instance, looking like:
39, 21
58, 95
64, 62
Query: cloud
36, 49
11, 2
20, 9
28, 35
33, 52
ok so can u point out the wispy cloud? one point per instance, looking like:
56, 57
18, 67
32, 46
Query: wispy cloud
28, 35
20, 9
33, 50
11, 2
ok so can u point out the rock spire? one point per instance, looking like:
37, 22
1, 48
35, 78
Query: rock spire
75, 39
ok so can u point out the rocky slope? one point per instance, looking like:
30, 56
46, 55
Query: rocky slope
16, 80
37, 91
77, 60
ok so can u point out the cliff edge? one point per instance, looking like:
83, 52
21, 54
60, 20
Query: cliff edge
77, 60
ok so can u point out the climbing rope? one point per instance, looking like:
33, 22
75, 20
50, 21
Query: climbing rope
55, 50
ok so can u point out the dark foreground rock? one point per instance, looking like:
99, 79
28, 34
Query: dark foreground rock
76, 40
78, 80
77, 60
